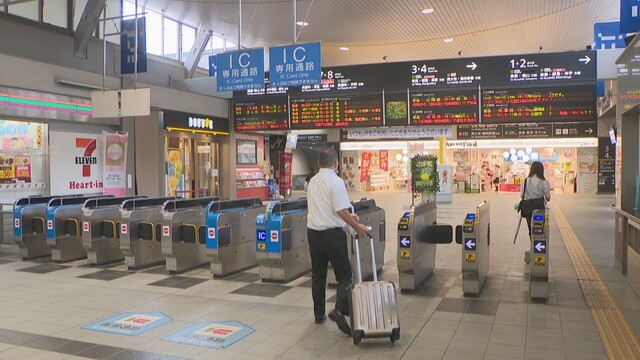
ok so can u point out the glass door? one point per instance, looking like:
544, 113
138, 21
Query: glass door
207, 168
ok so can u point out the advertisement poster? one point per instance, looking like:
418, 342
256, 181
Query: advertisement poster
348, 169
115, 164
23, 168
286, 160
16, 135
384, 160
76, 163
446, 183
175, 172
7, 169
365, 165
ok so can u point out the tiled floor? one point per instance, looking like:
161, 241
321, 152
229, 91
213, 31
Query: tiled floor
46, 304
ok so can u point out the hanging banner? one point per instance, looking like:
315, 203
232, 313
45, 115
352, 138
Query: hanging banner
128, 46
76, 163
295, 65
115, 163
384, 160
364, 166
286, 161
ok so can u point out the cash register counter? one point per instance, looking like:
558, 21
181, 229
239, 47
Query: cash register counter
627, 245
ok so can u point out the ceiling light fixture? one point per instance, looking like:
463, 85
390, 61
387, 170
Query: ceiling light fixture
428, 11
344, 48
302, 23
448, 40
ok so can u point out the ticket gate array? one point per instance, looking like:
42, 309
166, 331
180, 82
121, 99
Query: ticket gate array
475, 237
373, 217
100, 229
418, 234
282, 247
183, 241
231, 235
64, 235
141, 231
29, 226
539, 252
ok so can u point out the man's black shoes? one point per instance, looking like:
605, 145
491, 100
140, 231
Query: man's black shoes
339, 319
320, 319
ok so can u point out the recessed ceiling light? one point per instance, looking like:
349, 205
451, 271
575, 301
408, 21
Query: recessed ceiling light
302, 23
448, 40
428, 11
344, 48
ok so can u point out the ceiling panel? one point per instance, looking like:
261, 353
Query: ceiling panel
373, 29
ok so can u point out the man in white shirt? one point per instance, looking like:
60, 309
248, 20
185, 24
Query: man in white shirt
329, 206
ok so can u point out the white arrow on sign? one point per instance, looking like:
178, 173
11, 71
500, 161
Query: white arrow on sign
470, 244
472, 66
404, 241
585, 60
590, 131
539, 246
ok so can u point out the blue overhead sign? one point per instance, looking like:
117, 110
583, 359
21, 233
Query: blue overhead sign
128, 46
629, 16
606, 35
295, 65
212, 65
240, 70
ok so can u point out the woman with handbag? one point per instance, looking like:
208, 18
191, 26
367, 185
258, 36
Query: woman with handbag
535, 191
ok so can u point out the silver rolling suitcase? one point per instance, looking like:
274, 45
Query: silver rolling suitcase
373, 304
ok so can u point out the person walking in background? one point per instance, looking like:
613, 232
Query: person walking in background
308, 178
535, 187
497, 176
329, 206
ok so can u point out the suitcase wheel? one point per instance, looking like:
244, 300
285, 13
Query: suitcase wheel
357, 336
395, 335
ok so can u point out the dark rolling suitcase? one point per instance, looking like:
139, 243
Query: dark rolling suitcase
373, 305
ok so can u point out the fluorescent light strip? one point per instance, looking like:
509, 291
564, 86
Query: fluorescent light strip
170, 128
44, 104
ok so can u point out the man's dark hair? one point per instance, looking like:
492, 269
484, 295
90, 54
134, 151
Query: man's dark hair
328, 157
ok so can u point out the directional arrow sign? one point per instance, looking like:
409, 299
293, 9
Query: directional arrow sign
472, 66
540, 247
405, 241
586, 59
470, 244
589, 131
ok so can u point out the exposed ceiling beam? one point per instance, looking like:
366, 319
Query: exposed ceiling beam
191, 62
86, 26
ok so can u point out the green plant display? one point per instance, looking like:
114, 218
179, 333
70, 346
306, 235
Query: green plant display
424, 175
396, 110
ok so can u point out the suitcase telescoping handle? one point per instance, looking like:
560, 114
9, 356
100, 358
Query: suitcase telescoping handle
373, 257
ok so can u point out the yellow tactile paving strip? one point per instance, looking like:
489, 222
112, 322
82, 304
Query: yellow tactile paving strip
618, 338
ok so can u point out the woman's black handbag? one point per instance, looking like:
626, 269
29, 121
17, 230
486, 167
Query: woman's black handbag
526, 207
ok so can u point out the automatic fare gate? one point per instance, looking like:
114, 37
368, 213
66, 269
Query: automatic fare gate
184, 233
141, 231
539, 252
374, 218
474, 235
231, 231
63, 227
29, 225
100, 229
418, 234
282, 247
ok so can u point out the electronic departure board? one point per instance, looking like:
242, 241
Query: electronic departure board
261, 114
336, 111
444, 107
548, 104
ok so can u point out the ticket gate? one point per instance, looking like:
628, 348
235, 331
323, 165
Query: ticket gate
231, 235
100, 229
64, 235
183, 241
539, 252
475, 237
141, 231
29, 225
373, 217
282, 247
418, 234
